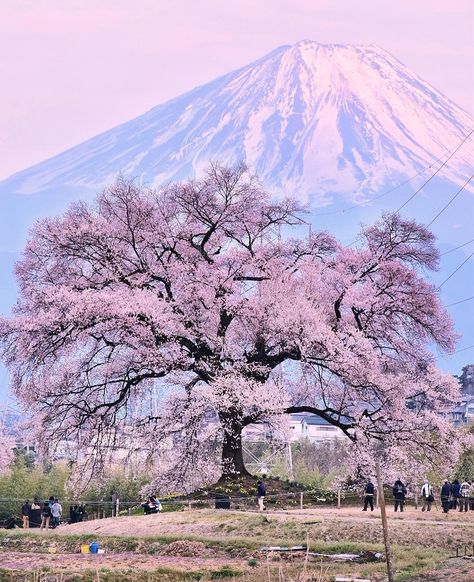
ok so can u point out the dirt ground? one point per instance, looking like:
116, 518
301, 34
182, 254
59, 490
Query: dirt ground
459, 570
446, 531
218, 544
122, 562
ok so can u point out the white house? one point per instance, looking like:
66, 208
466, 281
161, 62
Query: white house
318, 430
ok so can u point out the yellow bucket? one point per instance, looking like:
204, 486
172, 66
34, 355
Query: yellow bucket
85, 549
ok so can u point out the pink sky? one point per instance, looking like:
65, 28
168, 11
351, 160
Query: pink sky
73, 68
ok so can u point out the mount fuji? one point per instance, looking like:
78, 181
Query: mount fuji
335, 125
314, 120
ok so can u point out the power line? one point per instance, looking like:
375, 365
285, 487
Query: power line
463, 349
456, 248
358, 205
456, 270
450, 153
437, 171
452, 199
461, 301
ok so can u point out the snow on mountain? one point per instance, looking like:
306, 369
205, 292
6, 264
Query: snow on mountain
312, 119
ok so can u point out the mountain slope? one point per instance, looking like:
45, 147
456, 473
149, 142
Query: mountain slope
311, 119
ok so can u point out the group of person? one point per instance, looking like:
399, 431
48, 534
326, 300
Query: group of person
152, 505
77, 513
49, 514
457, 495
44, 514
452, 495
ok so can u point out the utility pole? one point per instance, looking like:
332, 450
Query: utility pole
290, 462
381, 498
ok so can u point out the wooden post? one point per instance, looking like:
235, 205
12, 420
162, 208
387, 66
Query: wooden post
339, 499
301, 499
117, 507
388, 553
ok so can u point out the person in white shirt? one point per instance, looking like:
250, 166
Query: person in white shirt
464, 498
56, 511
428, 497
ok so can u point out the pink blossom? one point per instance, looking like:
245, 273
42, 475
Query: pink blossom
195, 286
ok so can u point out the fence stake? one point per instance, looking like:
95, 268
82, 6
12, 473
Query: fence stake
388, 553
339, 499
301, 499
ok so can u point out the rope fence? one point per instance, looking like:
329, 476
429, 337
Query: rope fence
100, 509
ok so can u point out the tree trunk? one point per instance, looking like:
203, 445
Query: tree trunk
232, 453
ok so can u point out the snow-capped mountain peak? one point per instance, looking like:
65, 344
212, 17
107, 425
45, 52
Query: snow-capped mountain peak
312, 119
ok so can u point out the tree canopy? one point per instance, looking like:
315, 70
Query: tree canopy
201, 286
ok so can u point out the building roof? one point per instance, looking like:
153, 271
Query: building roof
316, 421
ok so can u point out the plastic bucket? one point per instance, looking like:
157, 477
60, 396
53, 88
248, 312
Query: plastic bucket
85, 549
94, 547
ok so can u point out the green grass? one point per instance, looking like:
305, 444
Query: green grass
409, 559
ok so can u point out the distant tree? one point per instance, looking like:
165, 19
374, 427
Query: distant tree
464, 469
127, 484
194, 286
22, 482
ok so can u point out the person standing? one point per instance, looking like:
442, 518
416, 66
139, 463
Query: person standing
56, 512
261, 492
471, 495
445, 495
81, 513
399, 492
464, 492
428, 497
35, 513
45, 516
456, 494
25, 514
369, 492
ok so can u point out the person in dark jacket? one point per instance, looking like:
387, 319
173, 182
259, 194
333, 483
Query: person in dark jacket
369, 492
399, 491
261, 492
446, 491
25, 514
45, 516
456, 494
35, 514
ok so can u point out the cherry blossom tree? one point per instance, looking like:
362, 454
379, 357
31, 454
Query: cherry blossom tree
7, 445
200, 286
